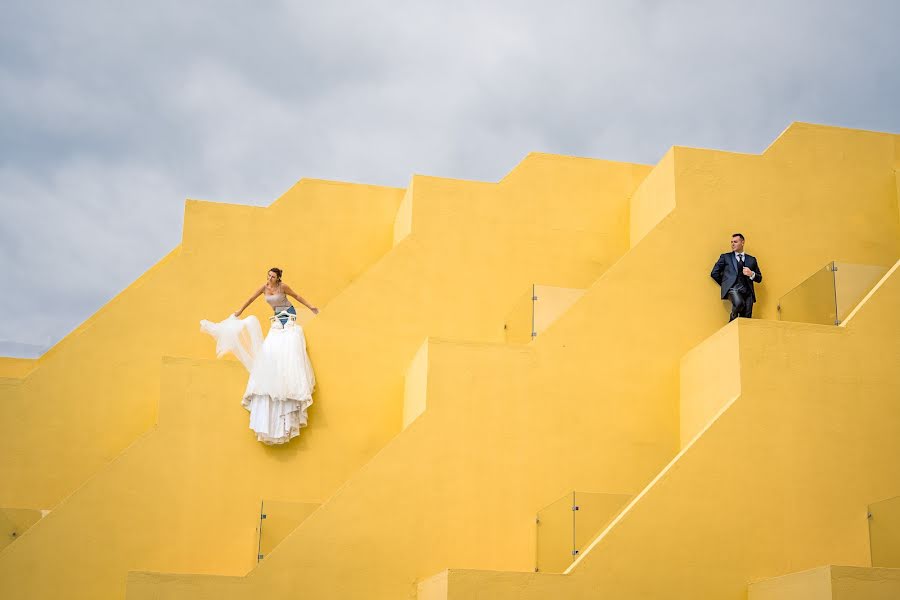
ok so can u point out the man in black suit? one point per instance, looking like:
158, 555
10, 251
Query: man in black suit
736, 271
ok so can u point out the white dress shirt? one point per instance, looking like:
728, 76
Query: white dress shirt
739, 256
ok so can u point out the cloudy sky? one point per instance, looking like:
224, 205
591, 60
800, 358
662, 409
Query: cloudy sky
112, 113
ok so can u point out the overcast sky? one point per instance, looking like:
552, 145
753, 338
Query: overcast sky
112, 113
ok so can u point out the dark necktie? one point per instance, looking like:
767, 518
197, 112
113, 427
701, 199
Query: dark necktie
740, 263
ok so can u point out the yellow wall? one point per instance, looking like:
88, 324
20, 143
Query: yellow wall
598, 408
654, 200
529, 315
96, 390
778, 483
551, 303
854, 583
813, 300
814, 584
16, 521
15, 367
415, 386
852, 283
279, 518
517, 326
555, 536
439, 280
565, 527
403, 220
830, 294
830, 583
884, 532
594, 403
710, 378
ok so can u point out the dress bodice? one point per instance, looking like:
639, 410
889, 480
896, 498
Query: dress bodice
278, 299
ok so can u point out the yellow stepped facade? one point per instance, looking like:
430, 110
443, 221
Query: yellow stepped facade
748, 453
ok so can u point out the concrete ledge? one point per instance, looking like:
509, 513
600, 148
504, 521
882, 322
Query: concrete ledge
830, 583
143, 585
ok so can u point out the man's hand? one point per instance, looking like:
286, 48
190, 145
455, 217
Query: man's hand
748, 272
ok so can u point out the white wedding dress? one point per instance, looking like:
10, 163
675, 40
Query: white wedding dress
281, 380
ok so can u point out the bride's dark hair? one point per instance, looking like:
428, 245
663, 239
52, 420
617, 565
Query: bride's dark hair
277, 272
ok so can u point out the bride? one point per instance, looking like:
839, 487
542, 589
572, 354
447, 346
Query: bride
281, 377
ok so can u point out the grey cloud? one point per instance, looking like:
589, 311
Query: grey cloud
112, 114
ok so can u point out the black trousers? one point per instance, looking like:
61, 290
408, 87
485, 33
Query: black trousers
741, 304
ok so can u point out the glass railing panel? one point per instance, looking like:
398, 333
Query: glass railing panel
884, 533
277, 519
555, 536
830, 294
852, 282
593, 513
519, 324
535, 311
813, 301
16, 521
550, 302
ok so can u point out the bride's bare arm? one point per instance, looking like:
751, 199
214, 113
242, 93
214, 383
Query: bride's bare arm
250, 300
287, 290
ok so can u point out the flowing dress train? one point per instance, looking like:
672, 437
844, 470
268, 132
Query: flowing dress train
281, 383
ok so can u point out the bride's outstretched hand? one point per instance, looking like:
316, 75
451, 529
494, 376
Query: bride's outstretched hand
314, 310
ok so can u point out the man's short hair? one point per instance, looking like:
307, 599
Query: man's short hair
740, 235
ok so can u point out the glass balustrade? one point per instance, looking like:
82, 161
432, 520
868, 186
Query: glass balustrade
535, 311
566, 527
16, 521
556, 535
278, 519
829, 295
884, 533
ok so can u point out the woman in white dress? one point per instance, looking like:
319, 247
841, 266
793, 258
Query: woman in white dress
281, 381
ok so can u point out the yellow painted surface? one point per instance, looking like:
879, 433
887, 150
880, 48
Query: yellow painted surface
829, 295
814, 300
653, 200
830, 583
440, 280
15, 367
814, 584
403, 220
710, 377
593, 403
875, 289
155, 586
555, 530
96, 390
884, 532
16, 521
517, 326
852, 283
280, 518
434, 587
552, 302
566, 527
775, 485
855, 583
595, 512
599, 408
529, 315
415, 386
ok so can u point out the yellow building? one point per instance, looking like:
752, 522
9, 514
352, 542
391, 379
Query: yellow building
527, 390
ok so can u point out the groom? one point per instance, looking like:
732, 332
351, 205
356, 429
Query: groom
736, 271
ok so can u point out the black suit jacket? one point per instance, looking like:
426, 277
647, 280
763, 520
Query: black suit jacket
726, 273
